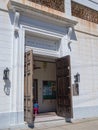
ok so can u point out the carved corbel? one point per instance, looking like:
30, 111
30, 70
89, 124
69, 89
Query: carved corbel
16, 22
69, 33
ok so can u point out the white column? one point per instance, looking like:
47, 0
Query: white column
67, 4
16, 116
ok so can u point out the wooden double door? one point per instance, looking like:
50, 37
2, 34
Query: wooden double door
63, 85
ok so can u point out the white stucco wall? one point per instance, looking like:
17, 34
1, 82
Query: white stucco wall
3, 4
84, 61
5, 61
11, 106
83, 58
5, 51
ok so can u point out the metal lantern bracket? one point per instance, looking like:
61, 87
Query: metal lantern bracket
6, 74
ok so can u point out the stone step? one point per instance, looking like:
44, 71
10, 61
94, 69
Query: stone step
45, 117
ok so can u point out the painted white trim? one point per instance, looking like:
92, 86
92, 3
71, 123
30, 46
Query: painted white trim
94, 1
42, 32
43, 52
16, 21
67, 5
17, 90
69, 33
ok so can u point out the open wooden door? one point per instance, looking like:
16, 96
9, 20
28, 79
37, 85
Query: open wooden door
28, 91
64, 96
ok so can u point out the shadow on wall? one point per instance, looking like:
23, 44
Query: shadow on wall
7, 87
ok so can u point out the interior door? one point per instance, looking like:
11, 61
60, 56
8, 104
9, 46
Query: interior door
28, 91
64, 96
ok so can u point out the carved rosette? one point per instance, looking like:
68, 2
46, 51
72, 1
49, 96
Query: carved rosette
84, 12
54, 4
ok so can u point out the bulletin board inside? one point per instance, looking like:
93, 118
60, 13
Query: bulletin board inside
49, 89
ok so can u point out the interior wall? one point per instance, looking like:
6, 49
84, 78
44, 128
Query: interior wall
47, 73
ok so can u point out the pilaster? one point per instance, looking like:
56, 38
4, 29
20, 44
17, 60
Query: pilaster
16, 114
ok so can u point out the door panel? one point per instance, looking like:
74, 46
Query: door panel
64, 96
28, 91
35, 89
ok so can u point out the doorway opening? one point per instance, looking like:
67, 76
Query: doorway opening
49, 82
45, 73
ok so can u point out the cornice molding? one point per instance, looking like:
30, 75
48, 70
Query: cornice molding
94, 1
24, 9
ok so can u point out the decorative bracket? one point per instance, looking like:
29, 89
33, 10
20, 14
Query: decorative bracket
16, 22
70, 29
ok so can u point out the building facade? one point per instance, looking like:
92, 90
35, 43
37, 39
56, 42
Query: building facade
48, 52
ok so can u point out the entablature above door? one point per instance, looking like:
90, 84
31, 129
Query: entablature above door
25, 9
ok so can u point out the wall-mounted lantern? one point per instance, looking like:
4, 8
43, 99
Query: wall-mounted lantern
6, 74
76, 84
77, 78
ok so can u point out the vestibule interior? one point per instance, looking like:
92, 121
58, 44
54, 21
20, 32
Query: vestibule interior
44, 83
